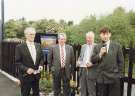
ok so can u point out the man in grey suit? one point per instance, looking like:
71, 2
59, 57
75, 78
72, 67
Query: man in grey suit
109, 58
29, 58
87, 70
62, 62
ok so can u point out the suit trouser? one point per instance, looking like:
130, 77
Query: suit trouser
27, 86
112, 89
57, 78
88, 86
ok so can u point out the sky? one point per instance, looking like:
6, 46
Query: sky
74, 10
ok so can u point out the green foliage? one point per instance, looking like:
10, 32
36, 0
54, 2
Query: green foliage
45, 81
45, 85
121, 23
15, 28
77, 32
88, 24
131, 18
76, 36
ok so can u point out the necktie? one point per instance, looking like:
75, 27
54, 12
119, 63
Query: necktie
62, 58
106, 47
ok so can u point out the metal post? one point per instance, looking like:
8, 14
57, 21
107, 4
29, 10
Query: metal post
2, 18
130, 72
1, 31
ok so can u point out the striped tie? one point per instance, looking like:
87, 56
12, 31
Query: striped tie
62, 58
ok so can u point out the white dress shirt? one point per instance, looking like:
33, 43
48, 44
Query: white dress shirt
107, 45
32, 50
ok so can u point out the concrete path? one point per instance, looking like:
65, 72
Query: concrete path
8, 87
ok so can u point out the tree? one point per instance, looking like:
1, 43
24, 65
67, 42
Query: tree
118, 23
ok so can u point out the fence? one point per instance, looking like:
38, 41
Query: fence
129, 55
8, 58
8, 63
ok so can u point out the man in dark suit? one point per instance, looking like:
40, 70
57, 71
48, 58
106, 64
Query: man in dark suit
109, 58
29, 58
61, 60
87, 70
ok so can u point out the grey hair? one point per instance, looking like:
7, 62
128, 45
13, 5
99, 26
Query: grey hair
29, 30
62, 35
90, 33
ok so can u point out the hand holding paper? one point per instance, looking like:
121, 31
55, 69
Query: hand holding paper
89, 64
40, 68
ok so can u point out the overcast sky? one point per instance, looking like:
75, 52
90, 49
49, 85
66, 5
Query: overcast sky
74, 10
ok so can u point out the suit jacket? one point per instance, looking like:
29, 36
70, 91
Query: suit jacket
54, 59
91, 70
110, 66
24, 61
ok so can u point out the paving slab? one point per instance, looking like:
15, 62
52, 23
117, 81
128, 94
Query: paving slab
8, 87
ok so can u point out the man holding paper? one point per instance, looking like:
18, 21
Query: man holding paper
29, 58
87, 71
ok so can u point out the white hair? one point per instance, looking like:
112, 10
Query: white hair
90, 33
29, 30
62, 35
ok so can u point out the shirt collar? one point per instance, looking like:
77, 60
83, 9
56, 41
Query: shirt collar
29, 43
62, 46
90, 44
108, 42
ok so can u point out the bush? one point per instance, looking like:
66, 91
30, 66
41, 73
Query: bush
46, 82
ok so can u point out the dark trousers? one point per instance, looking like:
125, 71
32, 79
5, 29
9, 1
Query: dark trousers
27, 86
112, 89
61, 79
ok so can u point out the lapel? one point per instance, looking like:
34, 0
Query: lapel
83, 50
85, 47
58, 51
67, 53
93, 45
66, 50
91, 49
37, 52
27, 51
111, 48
